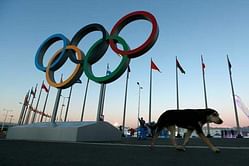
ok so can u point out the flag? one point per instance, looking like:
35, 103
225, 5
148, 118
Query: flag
129, 69
26, 100
108, 72
78, 81
202, 64
241, 105
44, 87
32, 92
229, 63
154, 66
179, 66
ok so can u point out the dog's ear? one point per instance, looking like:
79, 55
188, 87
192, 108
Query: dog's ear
210, 111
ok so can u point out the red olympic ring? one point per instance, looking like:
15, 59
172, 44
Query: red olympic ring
146, 45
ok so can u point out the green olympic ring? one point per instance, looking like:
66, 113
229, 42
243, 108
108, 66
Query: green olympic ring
89, 60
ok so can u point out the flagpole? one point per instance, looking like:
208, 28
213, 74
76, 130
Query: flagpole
139, 94
56, 105
205, 93
150, 95
84, 102
234, 101
38, 100
23, 108
177, 98
125, 100
29, 111
68, 101
45, 104
26, 109
30, 107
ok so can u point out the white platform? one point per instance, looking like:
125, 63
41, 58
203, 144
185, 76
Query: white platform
66, 131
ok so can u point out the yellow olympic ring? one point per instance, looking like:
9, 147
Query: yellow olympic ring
76, 73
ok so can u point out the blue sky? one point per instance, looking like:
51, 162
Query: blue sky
187, 29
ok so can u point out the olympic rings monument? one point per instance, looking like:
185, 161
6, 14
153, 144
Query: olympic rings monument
87, 130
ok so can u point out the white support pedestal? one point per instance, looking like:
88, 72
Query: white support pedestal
66, 131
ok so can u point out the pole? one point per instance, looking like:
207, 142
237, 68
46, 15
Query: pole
63, 101
100, 105
45, 104
139, 93
84, 102
26, 109
7, 111
234, 101
100, 114
36, 107
11, 117
125, 100
103, 103
25, 103
177, 99
205, 93
68, 101
150, 95
31, 106
56, 105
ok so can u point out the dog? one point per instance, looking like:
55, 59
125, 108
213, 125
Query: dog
190, 119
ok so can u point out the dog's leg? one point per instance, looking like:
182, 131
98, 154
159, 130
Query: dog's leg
210, 145
172, 130
187, 136
154, 137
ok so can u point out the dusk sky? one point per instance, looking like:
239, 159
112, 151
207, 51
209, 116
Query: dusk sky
187, 29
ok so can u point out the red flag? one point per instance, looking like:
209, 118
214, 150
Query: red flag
179, 66
44, 87
154, 66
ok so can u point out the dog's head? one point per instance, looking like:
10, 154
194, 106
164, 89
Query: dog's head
213, 116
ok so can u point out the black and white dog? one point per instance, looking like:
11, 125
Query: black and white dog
190, 119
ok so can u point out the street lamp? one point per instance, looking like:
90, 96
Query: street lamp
139, 93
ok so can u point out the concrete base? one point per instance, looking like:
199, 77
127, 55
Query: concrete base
66, 131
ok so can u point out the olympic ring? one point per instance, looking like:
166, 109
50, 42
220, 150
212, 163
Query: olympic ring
76, 74
96, 51
43, 48
84, 31
147, 44
90, 59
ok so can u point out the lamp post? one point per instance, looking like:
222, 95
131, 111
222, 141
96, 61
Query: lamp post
139, 93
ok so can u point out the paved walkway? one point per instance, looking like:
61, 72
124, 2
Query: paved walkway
128, 152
